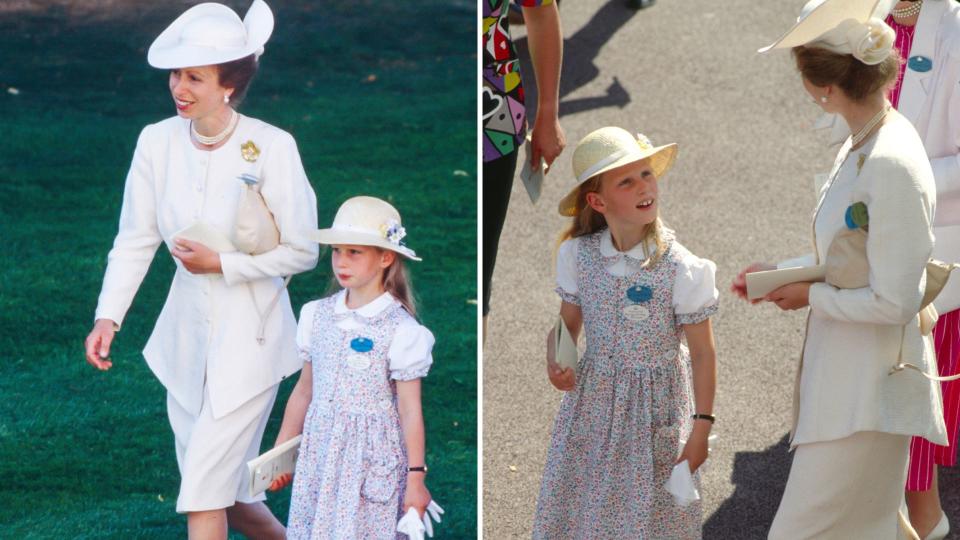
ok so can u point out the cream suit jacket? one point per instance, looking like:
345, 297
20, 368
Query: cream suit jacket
207, 330
853, 338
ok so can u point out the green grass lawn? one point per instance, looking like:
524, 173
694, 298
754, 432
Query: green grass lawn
381, 98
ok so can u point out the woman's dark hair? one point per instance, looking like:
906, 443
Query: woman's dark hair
857, 80
237, 74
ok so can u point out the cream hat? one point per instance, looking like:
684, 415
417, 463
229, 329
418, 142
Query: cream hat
611, 147
211, 33
853, 27
366, 221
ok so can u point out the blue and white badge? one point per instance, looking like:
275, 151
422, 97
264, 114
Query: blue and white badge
634, 309
920, 64
359, 360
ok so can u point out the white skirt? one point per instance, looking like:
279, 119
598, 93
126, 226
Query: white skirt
212, 454
846, 489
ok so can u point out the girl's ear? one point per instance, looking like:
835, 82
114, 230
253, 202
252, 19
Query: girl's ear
595, 201
387, 257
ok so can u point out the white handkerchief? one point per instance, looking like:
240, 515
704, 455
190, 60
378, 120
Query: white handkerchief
681, 485
411, 525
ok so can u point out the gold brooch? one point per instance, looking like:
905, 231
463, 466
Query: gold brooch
249, 151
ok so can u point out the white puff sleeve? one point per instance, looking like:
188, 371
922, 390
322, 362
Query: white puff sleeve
567, 271
410, 352
305, 330
695, 295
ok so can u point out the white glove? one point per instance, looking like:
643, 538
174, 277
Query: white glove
433, 511
411, 525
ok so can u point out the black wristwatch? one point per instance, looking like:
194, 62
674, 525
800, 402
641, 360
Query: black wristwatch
708, 417
417, 469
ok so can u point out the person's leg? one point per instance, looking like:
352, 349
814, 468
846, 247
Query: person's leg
207, 525
255, 520
497, 183
924, 507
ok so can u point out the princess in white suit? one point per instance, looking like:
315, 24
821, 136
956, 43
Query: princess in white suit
217, 347
855, 408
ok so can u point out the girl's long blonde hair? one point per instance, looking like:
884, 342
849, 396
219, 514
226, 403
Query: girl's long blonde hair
396, 281
586, 221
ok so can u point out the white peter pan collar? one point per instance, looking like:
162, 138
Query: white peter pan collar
368, 310
627, 262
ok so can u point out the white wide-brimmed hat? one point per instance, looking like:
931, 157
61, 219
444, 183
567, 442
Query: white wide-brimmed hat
842, 26
608, 148
211, 33
366, 221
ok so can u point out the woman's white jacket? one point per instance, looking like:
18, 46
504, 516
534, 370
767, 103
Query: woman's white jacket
207, 331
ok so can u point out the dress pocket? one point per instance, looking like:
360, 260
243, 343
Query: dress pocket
381, 479
666, 448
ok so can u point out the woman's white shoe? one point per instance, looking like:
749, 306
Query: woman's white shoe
941, 530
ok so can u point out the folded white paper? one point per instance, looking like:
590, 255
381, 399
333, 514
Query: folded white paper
681, 485
206, 235
411, 525
566, 352
532, 177
281, 459
759, 284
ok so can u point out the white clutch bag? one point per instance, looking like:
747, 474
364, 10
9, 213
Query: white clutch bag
263, 470
208, 236
567, 355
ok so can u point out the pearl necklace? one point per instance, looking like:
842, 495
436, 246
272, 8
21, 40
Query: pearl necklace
859, 136
907, 12
215, 139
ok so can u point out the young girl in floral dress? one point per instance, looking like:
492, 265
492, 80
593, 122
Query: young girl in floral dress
638, 295
357, 403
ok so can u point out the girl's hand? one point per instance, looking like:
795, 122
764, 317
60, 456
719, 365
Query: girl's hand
562, 379
280, 482
97, 344
739, 286
196, 257
696, 450
791, 296
417, 495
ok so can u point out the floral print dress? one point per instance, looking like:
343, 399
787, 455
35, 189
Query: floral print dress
351, 473
618, 432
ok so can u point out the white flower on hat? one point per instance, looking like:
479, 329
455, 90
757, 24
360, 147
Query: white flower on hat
869, 42
392, 231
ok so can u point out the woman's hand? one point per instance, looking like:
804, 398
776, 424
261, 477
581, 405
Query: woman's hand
98, 342
547, 140
791, 296
696, 450
196, 257
561, 378
280, 482
739, 286
417, 496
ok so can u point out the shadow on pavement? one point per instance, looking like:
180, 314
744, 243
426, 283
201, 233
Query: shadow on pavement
760, 478
579, 52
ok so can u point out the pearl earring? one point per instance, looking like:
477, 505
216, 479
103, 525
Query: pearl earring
823, 99
226, 98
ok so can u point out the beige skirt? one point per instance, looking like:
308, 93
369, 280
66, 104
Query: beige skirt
213, 454
845, 489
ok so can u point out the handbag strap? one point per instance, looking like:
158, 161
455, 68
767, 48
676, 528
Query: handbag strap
901, 365
265, 313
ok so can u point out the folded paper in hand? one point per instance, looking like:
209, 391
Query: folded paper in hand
565, 349
759, 284
281, 459
208, 236
532, 177
681, 485
411, 525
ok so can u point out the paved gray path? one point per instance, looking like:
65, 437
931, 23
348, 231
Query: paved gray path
742, 190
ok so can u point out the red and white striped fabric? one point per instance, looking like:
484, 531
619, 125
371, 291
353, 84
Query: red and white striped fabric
903, 43
924, 454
